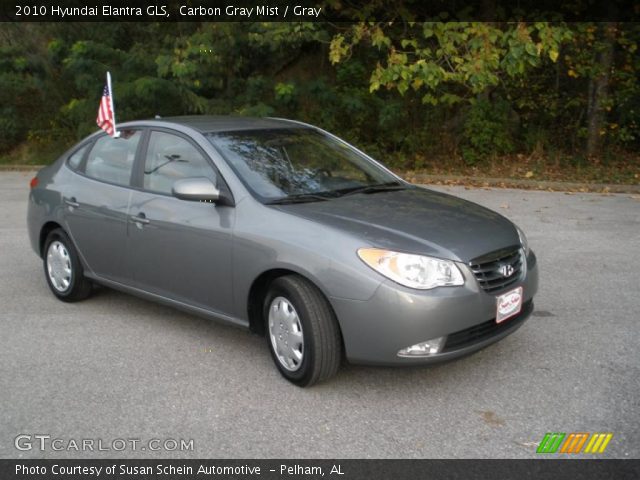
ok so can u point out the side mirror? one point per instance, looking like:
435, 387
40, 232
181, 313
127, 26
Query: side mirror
196, 188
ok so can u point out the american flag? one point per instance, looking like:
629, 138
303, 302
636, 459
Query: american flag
106, 118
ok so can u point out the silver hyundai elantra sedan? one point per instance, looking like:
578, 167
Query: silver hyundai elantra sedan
284, 229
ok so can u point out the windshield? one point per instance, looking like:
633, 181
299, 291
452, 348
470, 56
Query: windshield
299, 163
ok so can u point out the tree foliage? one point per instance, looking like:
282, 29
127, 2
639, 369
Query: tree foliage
401, 89
451, 61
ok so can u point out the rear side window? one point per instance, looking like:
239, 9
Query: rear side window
170, 158
111, 159
76, 157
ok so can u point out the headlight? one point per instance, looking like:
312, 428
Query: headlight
523, 240
413, 271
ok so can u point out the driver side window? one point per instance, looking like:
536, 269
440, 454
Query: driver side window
170, 158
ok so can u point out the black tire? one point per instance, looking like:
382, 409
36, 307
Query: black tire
322, 351
79, 287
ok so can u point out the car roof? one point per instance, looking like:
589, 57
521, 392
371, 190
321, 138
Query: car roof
220, 123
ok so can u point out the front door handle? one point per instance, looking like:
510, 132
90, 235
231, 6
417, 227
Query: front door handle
140, 218
71, 202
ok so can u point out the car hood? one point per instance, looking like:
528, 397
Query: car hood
414, 220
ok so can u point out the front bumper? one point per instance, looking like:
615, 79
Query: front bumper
396, 317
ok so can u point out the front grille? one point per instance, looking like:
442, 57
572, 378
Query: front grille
487, 269
485, 330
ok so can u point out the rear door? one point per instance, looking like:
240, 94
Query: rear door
180, 249
96, 203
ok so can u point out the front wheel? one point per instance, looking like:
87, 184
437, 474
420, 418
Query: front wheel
302, 331
62, 268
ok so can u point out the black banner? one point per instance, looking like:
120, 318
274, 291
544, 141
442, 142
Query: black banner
316, 10
542, 469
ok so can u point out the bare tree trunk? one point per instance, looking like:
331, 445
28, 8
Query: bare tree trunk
599, 91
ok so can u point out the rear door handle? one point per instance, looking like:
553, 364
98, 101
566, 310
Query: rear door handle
71, 202
140, 218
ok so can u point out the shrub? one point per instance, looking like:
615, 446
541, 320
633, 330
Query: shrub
487, 130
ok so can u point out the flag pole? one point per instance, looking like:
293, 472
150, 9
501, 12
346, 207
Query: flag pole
116, 133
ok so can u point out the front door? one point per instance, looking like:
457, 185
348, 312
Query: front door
180, 249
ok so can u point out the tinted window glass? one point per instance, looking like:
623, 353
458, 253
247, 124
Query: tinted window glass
170, 158
111, 159
76, 157
286, 162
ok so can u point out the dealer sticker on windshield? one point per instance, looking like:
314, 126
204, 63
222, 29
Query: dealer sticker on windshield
508, 304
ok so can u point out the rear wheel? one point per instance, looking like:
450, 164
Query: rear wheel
302, 331
62, 268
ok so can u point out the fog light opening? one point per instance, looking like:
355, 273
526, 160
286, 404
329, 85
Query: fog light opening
423, 349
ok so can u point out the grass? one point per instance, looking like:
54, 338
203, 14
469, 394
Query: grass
33, 153
621, 168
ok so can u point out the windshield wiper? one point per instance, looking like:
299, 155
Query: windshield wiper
379, 187
299, 198
170, 158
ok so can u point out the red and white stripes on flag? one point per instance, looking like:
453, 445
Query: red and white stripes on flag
106, 116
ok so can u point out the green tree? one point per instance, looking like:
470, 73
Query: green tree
450, 62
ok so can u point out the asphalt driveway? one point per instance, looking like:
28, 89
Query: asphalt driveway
117, 367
